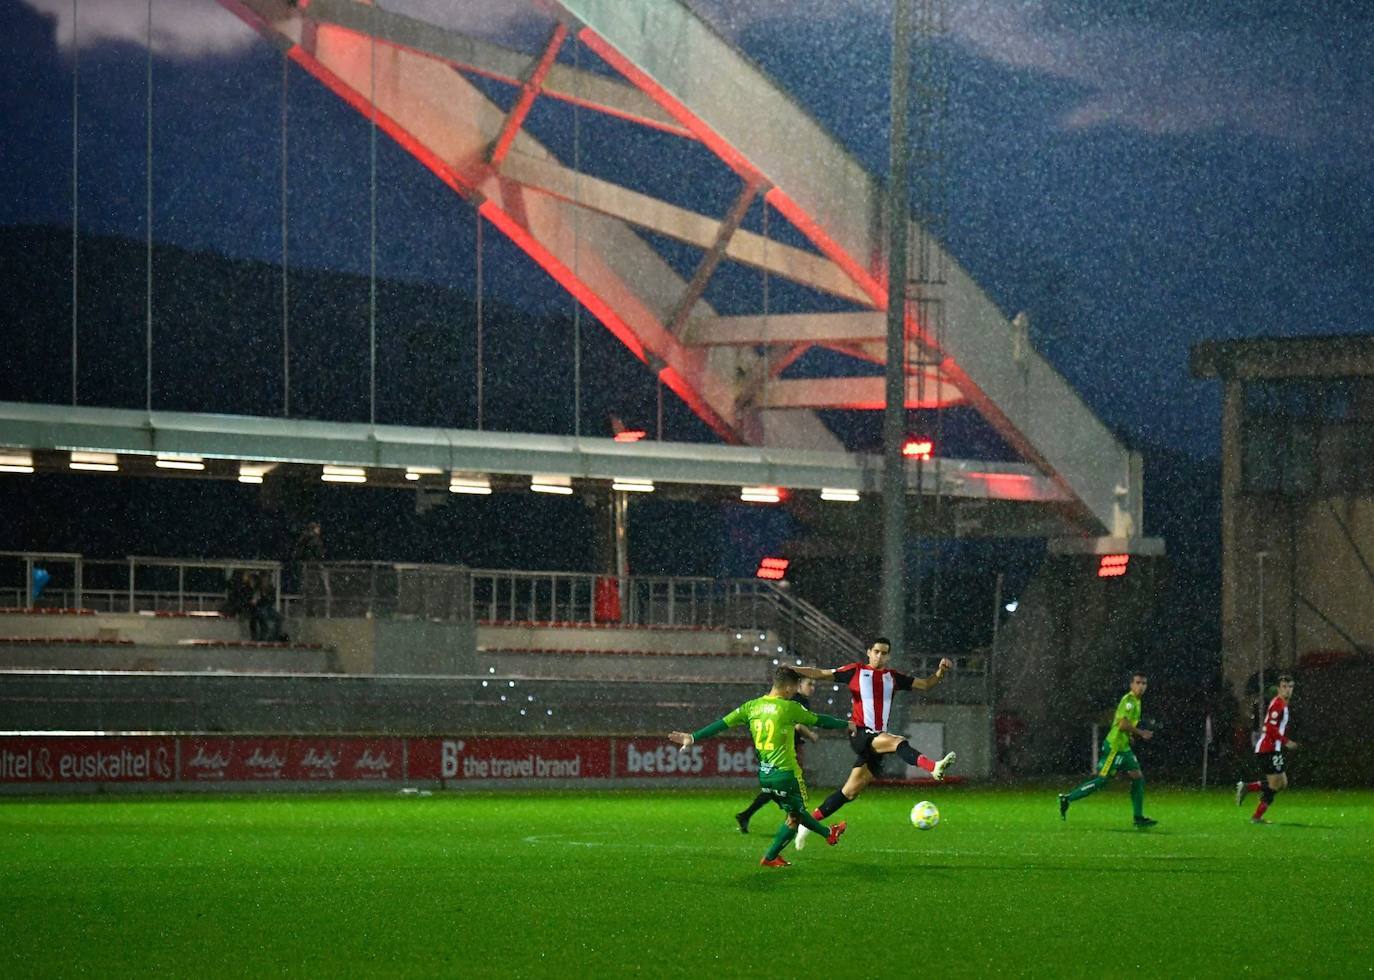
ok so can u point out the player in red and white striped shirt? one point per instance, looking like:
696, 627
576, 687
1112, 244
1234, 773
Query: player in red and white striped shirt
1270, 747
872, 687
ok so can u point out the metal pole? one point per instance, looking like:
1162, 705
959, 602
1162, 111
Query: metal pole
620, 505
1206, 746
989, 681
894, 414
1259, 637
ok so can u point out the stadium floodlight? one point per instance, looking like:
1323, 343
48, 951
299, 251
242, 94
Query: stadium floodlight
760, 495
839, 494
773, 569
344, 474
549, 483
95, 462
1113, 566
416, 472
915, 447
629, 485
16, 462
253, 472
179, 461
469, 484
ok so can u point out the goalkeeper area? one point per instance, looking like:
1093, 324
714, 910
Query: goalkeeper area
662, 884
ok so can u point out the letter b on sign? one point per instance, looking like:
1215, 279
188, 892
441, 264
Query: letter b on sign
448, 761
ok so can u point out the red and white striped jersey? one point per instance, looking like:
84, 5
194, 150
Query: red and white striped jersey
871, 689
1274, 736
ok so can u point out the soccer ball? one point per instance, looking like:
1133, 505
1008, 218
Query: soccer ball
925, 815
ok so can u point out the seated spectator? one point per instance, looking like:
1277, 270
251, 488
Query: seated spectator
238, 597
266, 622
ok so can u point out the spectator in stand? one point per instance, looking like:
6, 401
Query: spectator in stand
306, 554
238, 597
310, 545
266, 619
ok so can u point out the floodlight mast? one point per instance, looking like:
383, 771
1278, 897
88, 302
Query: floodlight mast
894, 410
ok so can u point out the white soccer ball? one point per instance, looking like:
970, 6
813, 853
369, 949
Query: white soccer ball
925, 815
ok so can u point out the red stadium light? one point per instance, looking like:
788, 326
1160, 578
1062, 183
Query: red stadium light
1113, 566
630, 435
774, 569
914, 448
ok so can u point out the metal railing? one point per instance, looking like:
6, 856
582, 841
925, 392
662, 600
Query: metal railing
437, 592
372, 589
134, 584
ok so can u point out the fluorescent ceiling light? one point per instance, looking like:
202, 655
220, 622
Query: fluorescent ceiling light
97, 462
840, 494
548, 483
16, 462
344, 474
415, 472
476, 485
179, 461
632, 486
254, 472
760, 495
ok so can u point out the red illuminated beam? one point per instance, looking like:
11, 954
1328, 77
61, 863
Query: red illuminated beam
446, 124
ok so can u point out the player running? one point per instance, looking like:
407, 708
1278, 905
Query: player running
1116, 748
772, 723
1273, 740
871, 686
806, 687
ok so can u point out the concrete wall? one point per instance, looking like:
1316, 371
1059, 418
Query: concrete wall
967, 731
611, 638
153, 657
1318, 589
420, 647
155, 630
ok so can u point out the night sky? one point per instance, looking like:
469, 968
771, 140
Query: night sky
1136, 179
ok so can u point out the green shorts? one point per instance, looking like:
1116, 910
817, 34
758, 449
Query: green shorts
1115, 760
787, 789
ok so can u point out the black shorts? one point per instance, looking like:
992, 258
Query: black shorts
862, 744
1271, 763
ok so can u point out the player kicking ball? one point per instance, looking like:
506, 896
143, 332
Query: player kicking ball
806, 689
871, 687
772, 721
1118, 757
1270, 748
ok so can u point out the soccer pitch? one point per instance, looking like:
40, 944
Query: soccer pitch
662, 884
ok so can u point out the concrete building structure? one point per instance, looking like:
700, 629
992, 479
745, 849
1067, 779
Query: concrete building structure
1297, 501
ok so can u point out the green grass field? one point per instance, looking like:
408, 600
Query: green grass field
663, 885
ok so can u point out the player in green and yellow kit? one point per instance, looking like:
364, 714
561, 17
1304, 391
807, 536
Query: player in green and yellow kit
1117, 755
772, 721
